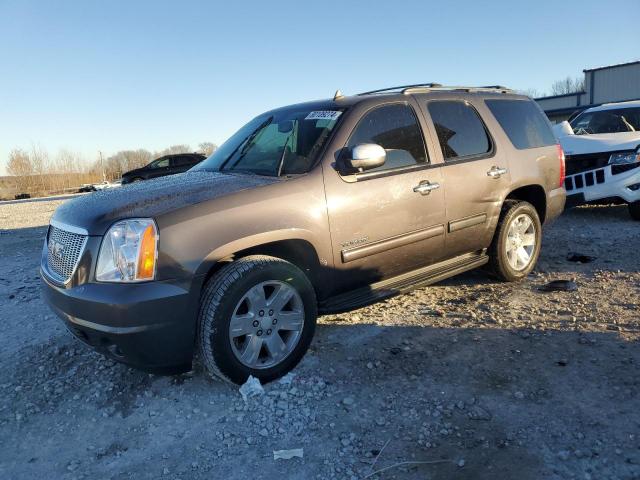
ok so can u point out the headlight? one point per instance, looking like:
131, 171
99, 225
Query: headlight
128, 252
624, 158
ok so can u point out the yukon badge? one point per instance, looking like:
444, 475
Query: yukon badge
353, 243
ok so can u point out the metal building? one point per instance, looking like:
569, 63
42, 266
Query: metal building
613, 83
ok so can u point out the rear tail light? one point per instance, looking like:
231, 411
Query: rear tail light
562, 166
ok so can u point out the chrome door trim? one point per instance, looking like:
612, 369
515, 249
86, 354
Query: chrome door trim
379, 246
467, 222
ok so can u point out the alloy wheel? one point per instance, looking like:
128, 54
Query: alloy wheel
521, 241
266, 324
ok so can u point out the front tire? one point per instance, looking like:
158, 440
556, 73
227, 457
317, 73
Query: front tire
257, 317
516, 244
634, 210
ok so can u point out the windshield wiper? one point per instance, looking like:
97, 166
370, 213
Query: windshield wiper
245, 145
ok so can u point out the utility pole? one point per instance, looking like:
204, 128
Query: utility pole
104, 177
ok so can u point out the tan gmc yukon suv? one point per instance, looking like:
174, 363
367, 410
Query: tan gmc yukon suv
312, 208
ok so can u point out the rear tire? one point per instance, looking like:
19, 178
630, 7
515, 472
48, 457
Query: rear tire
516, 243
634, 210
272, 307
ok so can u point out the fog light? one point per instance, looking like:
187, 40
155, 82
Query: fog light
634, 187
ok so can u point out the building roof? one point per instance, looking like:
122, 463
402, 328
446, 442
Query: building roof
572, 94
611, 66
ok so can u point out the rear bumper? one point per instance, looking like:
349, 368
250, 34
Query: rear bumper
150, 326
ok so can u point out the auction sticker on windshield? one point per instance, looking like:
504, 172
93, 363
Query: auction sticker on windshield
323, 115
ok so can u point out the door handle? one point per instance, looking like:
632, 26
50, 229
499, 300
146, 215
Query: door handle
496, 172
425, 187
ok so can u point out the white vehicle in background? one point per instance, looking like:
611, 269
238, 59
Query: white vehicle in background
106, 185
94, 187
602, 155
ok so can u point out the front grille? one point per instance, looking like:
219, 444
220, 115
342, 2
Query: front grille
582, 180
64, 249
585, 162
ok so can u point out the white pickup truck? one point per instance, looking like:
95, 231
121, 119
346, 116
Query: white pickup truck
602, 149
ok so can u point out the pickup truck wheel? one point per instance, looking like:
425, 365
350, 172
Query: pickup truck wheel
516, 243
634, 210
257, 317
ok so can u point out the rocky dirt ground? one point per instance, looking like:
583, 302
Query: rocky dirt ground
467, 379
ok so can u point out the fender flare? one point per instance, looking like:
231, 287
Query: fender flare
251, 241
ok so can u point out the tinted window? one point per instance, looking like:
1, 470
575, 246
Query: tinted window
523, 122
460, 131
160, 163
183, 161
394, 128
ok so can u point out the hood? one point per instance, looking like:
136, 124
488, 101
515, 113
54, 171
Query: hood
595, 143
97, 211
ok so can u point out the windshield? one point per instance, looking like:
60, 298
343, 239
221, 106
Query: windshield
607, 121
283, 142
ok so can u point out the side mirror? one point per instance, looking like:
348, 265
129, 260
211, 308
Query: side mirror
365, 157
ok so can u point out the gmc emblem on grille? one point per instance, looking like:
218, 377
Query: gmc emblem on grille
57, 249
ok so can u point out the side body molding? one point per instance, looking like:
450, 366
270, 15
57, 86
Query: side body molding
348, 255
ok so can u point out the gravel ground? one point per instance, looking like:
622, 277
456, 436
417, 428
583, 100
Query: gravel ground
467, 379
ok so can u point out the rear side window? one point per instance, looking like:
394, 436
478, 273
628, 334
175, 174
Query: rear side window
395, 128
460, 130
523, 122
182, 161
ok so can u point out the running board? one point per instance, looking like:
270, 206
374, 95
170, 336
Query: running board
402, 283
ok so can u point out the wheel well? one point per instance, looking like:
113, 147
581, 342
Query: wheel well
535, 195
298, 252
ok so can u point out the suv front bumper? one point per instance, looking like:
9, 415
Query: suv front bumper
150, 326
601, 183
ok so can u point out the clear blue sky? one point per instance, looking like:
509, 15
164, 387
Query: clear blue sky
92, 75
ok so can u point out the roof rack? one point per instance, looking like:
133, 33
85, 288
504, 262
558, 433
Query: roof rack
402, 87
460, 88
428, 87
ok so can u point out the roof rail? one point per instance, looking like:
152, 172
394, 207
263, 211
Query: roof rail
423, 87
490, 88
402, 87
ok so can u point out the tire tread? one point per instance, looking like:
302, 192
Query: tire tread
213, 293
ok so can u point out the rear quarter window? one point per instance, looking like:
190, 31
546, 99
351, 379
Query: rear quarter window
523, 122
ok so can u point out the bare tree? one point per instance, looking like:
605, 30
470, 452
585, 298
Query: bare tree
65, 166
125, 160
34, 172
40, 165
174, 149
567, 86
531, 93
20, 166
207, 148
